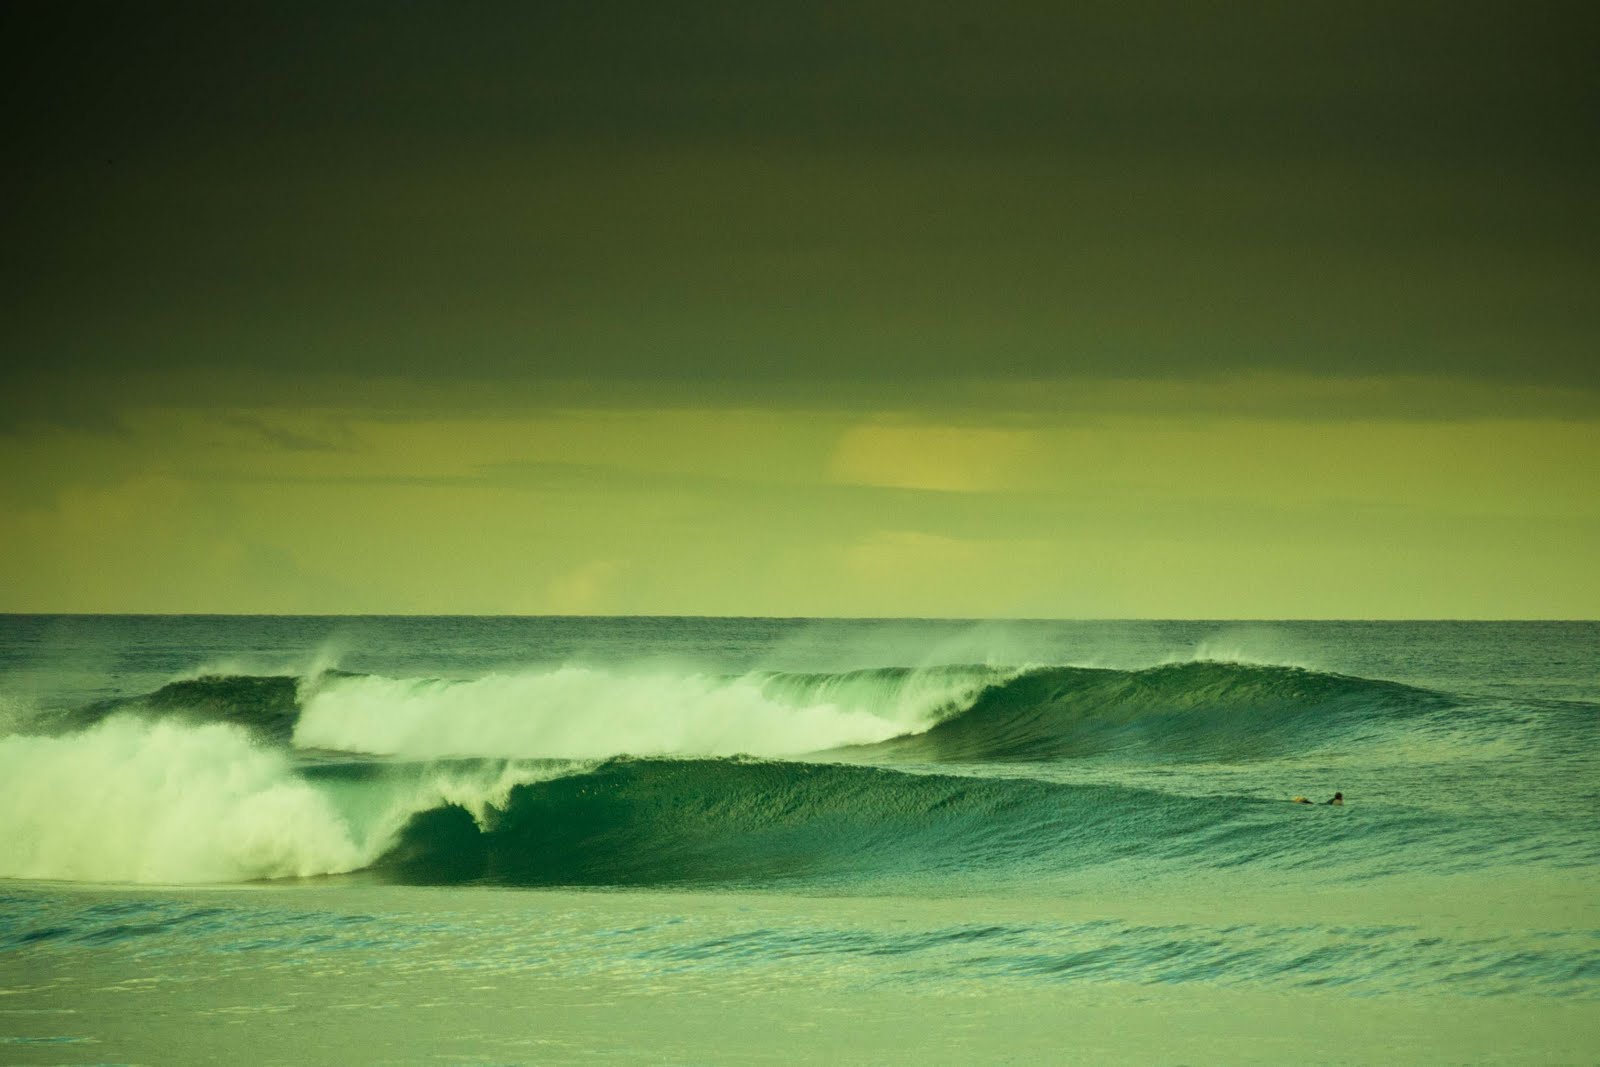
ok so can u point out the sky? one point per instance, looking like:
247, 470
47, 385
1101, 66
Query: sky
1092, 310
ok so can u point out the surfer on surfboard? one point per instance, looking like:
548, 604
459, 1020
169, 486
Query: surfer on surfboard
1337, 801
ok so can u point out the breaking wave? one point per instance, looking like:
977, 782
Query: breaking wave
579, 776
584, 713
133, 800
652, 822
1189, 710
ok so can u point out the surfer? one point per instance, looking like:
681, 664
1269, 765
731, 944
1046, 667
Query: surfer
1337, 801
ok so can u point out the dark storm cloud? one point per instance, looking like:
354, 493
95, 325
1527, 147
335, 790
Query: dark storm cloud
273, 196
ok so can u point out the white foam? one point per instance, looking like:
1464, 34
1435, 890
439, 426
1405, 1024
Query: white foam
15, 713
162, 802
168, 802
584, 713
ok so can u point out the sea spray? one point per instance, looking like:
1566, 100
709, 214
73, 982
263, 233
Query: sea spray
168, 801
584, 713
140, 801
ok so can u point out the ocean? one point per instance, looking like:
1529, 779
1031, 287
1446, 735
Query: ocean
692, 840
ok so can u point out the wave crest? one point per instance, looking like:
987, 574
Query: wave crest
584, 713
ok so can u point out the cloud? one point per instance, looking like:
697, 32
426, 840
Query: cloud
152, 543
282, 437
585, 590
948, 458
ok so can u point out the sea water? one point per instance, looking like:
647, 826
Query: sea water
541, 840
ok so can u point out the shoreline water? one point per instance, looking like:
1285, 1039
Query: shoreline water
511, 976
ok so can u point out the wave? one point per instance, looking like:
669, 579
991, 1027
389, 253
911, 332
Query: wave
1198, 710
567, 713
644, 822
135, 800
143, 801
165, 801
584, 713
268, 706
744, 822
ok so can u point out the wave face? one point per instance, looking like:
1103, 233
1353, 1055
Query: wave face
266, 705
752, 823
650, 822
1204, 711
